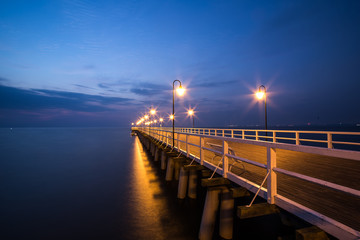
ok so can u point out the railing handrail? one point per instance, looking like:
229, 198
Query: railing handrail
297, 136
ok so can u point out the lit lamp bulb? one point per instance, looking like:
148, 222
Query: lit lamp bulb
155, 121
180, 91
161, 119
152, 111
171, 117
260, 95
146, 116
190, 112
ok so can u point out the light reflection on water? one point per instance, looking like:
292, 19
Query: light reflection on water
146, 209
152, 215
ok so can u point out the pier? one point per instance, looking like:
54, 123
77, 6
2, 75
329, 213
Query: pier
308, 174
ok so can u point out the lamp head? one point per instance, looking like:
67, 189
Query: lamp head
152, 111
180, 90
260, 95
191, 112
171, 117
146, 116
161, 119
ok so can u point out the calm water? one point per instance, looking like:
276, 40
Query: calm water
85, 183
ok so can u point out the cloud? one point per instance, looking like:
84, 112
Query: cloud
35, 99
214, 84
3, 79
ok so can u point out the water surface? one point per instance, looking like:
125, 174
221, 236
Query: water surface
84, 183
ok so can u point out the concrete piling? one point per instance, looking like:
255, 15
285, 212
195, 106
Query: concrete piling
183, 182
226, 214
153, 146
163, 160
169, 169
157, 153
192, 183
209, 214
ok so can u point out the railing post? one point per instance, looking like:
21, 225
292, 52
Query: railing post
201, 151
225, 158
272, 180
232, 133
274, 136
187, 149
297, 138
242, 134
223, 133
256, 135
329, 140
177, 143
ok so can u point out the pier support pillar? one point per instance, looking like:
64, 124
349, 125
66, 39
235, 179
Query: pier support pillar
192, 184
163, 160
157, 153
209, 214
177, 166
169, 169
226, 214
153, 146
183, 182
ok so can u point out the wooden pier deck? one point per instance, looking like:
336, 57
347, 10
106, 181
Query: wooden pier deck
330, 199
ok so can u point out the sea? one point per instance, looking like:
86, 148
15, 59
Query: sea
90, 183
86, 183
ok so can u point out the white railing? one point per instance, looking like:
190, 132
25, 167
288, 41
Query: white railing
329, 139
194, 143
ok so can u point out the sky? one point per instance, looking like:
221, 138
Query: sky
73, 63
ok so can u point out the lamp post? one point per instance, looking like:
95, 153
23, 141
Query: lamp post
161, 120
260, 95
191, 114
152, 112
180, 90
146, 118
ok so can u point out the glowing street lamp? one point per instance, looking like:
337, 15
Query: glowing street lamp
161, 120
191, 114
180, 90
261, 94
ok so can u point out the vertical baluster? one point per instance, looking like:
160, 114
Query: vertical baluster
225, 158
329, 140
272, 179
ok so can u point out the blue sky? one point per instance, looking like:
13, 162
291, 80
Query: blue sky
105, 63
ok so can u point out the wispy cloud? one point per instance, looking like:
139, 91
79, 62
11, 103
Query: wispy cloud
34, 99
214, 84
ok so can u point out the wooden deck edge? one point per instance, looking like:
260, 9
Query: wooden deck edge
327, 224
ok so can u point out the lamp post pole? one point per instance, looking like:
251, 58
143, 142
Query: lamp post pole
173, 111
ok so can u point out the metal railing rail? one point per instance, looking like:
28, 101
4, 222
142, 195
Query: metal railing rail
322, 138
227, 136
